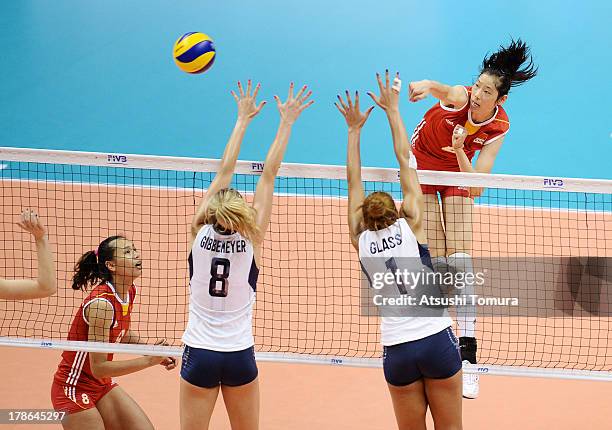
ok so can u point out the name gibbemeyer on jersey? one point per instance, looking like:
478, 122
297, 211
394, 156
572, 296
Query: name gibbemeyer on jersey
386, 243
223, 246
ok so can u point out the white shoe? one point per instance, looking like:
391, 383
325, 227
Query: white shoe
471, 385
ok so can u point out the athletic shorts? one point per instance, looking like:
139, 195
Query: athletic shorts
207, 369
445, 190
72, 399
435, 357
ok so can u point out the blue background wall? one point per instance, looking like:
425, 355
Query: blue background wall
99, 76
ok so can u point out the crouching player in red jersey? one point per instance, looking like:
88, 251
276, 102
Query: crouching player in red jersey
467, 119
83, 385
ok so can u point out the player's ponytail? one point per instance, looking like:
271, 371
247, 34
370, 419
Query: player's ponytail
228, 209
91, 267
379, 211
513, 65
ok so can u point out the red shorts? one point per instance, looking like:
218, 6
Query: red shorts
446, 190
71, 399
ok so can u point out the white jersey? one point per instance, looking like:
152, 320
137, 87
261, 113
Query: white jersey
223, 278
397, 241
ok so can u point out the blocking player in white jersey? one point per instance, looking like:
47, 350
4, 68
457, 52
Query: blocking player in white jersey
421, 360
226, 239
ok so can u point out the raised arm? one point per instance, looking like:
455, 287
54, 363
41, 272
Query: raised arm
247, 110
451, 96
46, 284
413, 205
356, 194
289, 113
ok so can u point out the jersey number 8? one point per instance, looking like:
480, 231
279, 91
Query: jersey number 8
214, 289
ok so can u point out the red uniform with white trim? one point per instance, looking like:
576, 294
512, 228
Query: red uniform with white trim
435, 131
74, 387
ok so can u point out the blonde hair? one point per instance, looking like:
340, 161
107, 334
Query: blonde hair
229, 209
379, 211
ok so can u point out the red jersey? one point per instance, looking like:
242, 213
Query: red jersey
435, 131
74, 368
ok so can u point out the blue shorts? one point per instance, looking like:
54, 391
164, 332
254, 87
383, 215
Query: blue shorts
436, 357
208, 369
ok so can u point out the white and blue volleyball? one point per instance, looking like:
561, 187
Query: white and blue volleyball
194, 52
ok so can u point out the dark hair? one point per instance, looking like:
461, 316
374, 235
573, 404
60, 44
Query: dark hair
91, 268
506, 64
379, 211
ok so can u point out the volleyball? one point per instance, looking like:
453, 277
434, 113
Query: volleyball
194, 52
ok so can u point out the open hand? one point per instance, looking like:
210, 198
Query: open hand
293, 106
354, 118
247, 106
29, 222
389, 95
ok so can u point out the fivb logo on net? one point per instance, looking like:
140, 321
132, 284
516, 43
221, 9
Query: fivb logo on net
257, 167
553, 183
116, 159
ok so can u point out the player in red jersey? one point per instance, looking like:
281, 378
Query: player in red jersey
467, 120
83, 386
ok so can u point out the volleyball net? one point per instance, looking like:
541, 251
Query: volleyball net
553, 237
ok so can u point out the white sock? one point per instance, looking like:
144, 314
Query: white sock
466, 315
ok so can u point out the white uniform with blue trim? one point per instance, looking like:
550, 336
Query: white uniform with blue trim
223, 279
397, 241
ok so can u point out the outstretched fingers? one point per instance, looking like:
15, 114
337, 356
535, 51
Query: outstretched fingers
29, 221
259, 108
375, 98
348, 99
380, 84
290, 95
307, 105
306, 97
342, 111
278, 101
299, 94
345, 107
29, 216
